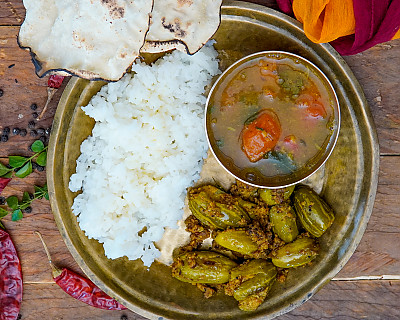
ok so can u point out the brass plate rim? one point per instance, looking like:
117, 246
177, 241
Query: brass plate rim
367, 203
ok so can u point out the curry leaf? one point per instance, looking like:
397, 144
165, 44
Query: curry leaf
37, 146
24, 205
26, 197
3, 170
16, 161
25, 170
17, 215
41, 192
12, 202
41, 159
284, 160
3, 213
8, 175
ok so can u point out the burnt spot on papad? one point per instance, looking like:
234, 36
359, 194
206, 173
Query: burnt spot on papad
116, 12
174, 27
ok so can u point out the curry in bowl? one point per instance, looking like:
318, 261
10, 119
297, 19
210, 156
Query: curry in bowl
272, 119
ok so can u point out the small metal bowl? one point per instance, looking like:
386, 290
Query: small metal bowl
253, 176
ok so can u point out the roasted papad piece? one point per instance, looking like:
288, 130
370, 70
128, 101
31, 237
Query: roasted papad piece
93, 39
191, 22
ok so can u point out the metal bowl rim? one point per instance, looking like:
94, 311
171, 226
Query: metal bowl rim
331, 145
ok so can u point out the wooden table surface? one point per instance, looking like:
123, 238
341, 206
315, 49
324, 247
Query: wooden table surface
367, 287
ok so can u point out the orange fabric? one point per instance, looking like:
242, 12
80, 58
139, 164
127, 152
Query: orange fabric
325, 20
397, 35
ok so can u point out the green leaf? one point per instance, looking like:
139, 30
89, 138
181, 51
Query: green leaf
25, 170
41, 159
17, 215
12, 202
24, 205
3, 213
26, 201
37, 146
2, 226
8, 175
38, 192
26, 197
16, 161
41, 192
3, 170
283, 159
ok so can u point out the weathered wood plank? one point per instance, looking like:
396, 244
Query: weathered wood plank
344, 300
337, 300
378, 79
378, 252
378, 70
376, 255
49, 302
12, 12
21, 88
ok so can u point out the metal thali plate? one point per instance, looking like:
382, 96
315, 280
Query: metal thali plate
349, 184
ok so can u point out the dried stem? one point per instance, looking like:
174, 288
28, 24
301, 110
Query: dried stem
56, 271
50, 94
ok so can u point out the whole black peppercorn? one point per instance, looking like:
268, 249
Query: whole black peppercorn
47, 131
40, 168
31, 124
33, 106
16, 131
43, 139
124, 317
35, 115
34, 165
2, 201
23, 133
1, 92
33, 133
6, 130
4, 138
31, 196
28, 209
40, 131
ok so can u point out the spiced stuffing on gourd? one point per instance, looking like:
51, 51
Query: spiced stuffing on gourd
255, 239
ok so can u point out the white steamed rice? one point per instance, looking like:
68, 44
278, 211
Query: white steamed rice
146, 148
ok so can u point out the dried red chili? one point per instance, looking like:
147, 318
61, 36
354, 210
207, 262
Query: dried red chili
3, 183
55, 81
10, 279
53, 84
80, 287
